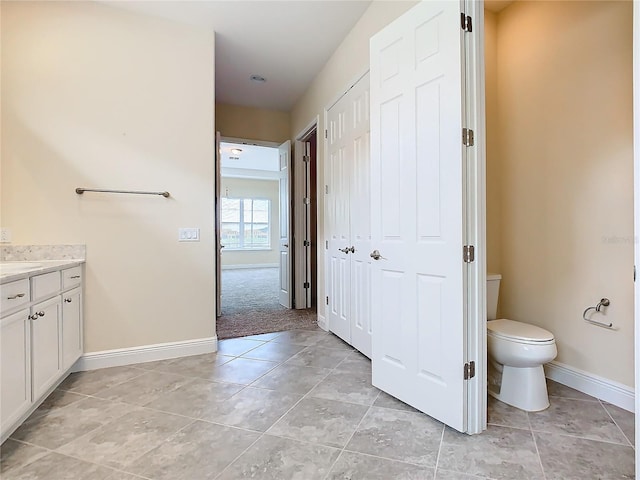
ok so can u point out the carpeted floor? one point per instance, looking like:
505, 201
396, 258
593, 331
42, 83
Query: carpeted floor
250, 305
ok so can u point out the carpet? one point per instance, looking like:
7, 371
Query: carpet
250, 305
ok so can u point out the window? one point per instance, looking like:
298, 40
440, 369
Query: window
245, 223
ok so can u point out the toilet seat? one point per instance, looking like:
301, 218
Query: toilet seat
519, 332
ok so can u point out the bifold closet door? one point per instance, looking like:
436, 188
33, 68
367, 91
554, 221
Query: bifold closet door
337, 218
348, 218
360, 218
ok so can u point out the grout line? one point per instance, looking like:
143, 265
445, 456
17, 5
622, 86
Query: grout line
342, 450
535, 444
590, 439
616, 424
435, 470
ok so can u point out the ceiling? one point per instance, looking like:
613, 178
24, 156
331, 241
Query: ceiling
286, 42
254, 157
497, 6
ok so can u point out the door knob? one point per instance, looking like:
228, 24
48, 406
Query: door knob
352, 249
376, 255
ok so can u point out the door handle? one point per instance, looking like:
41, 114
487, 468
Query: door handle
286, 245
376, 255
347, 250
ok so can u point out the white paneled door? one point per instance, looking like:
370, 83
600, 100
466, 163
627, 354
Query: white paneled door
348, 217
285, 227
417, 203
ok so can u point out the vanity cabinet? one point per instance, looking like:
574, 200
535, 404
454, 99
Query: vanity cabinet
15, 367
40, 342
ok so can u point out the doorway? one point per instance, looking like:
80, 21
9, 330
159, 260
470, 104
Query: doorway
253, 222
305, 219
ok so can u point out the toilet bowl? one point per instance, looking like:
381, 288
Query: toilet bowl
517, 351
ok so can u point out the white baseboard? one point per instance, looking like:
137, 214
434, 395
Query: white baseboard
250, 265
602, 388
145, 353
322, 323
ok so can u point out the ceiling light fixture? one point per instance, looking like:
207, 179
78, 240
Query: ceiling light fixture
236, 151
257, 79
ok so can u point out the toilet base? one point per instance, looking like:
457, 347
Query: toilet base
523, 388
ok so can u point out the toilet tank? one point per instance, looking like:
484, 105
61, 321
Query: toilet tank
493, 288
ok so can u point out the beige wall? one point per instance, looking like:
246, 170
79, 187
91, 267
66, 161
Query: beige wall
253, 123
96, 97
245, 188
492, 137
348, 62
564, 146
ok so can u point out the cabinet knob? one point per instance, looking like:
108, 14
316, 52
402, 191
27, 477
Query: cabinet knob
68, 300
33, 317
40, 314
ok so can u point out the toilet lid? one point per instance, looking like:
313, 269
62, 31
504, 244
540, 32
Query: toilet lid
518, 330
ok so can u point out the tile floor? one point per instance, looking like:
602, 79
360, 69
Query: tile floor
297, 405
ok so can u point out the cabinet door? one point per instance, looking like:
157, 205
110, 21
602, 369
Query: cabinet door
46, 344
71, 327
15, 361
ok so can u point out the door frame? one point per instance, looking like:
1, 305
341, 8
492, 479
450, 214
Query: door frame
476, 287
301, 259
218, 195
636, 214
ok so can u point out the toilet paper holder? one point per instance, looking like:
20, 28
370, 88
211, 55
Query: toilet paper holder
605, 302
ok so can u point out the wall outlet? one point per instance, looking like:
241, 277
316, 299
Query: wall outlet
5, 235
188, 234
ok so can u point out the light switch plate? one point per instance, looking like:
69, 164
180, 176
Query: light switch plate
188, 234
5, 235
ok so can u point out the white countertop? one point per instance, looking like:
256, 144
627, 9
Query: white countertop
37, 267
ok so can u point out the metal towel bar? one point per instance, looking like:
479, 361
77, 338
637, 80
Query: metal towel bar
80, 191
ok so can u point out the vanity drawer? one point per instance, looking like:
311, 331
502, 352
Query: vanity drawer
14, 294
45, 285
71, 277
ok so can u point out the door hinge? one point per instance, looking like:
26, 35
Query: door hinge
306, 285
326, 133
306, 201
326, 189
465, 23
467, 137
326, 244
306, 243
327, 300
469, 370
468, 253
306, 158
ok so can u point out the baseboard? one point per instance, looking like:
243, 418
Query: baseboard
602, 388
322, 323
145, 353
249, 265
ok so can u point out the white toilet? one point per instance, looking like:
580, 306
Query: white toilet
517, 352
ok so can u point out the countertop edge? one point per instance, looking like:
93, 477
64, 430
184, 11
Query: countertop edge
47, 266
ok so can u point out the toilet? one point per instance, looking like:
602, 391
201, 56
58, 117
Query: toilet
517, 351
